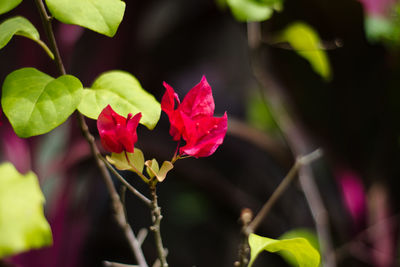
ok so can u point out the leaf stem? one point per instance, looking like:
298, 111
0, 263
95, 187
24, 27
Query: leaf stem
46, 21
156, 218
249, 226
128, 185
116, 201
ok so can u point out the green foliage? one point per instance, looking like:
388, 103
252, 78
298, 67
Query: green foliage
258, 114
36, 103
124, 93
300, 248
299, 232
102, 16
160, 173
22, 27
253, 10
386, 29
120, 161
22, 222
306, 42
7, 5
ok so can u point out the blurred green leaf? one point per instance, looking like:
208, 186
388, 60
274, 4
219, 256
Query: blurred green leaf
22, 222
120, 161
161, 173
22, 27
306, 42
384, 29
36, 103
253, 10
7, 5
299, 232
258, 114
300, 248
102, 16
124, 93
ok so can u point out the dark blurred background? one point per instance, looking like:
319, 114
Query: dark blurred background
353, 117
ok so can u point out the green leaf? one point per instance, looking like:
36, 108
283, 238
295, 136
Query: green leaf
152, 167
253, 10
161, 173
124, 93
7, 5
299, 232
22, 222
36, 103
102, 16
22, 27
300, 248
306, 42
121, 163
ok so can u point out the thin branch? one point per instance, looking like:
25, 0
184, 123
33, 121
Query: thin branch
296, 137
116, 264
156, 218
116, 202
301, 161
46, 21
129, 186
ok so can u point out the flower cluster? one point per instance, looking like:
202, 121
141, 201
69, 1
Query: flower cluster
193, 120
117, 133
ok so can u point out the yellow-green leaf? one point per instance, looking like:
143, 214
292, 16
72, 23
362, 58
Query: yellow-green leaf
152, 167
22, 222
120, 161
306, 42
22, 27
305, 254
124, 93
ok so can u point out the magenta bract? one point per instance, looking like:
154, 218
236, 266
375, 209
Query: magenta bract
194, 121
117, 133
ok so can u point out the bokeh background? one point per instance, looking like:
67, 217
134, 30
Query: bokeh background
354, 118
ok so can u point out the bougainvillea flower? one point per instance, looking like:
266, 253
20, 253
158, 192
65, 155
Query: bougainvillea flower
193, 120
117, 133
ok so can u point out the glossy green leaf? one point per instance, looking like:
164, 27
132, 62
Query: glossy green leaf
22, 27
22, 222
102, 16
299, 232
300, 248
7, 5
306, 42
124, 93
253, 10
36, 103
120, 161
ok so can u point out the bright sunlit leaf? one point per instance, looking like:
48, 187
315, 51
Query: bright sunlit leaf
102, 16
22, 27
36, 103
121, 162
306, 43
22, 222
298, 232
7, 5
152, 167
253, 10
124, 93
305, 254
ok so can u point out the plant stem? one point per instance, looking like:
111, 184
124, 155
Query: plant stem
281, 189
129, 186
46, 21
249, 226
116, 201
295, 135
156, 218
